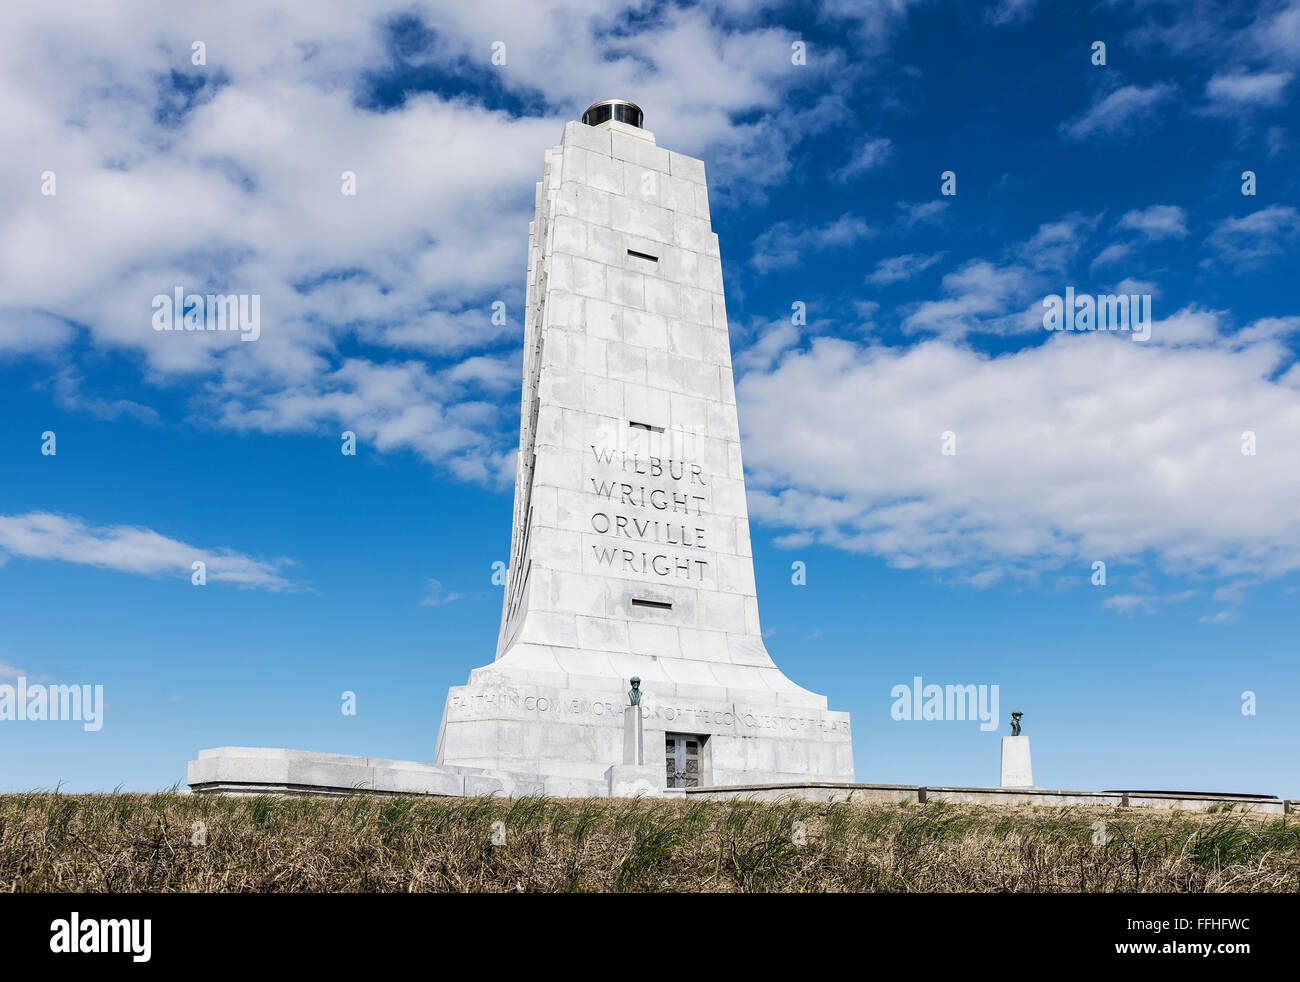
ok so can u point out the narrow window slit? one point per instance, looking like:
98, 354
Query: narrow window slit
656, 604
643, 255
644, 426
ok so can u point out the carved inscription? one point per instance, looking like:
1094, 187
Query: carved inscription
650, 509
704, 718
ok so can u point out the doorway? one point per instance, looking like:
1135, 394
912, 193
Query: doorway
683, 752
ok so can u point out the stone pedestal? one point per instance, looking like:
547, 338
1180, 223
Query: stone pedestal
1016, 769
634, 778
633, 736
635, 781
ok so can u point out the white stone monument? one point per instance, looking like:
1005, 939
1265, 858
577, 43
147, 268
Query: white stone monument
630, 550
1017, 772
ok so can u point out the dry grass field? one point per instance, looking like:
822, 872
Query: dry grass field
151, 843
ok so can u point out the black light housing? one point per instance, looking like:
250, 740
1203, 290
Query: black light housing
619, 110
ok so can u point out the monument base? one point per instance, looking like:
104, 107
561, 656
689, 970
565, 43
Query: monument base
577, 727
265, 770
517, 732
1017, 772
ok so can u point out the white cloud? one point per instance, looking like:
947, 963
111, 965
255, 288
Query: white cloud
434, 597
772, 338
70, 394
873, 21
1229, 34
1157, 222
1190, 325
1147, 603
788, 243
912, 213
1005, 298
1257, 236
128, 549
1278, 32
230, 182
1130, 603
1056, 244
1132, 285
1011, 11
1119, 111
795, 540
978, 295
1268, 329
1113, 253
898, 268
867, 157
1246, 88
1081, 448
27, 331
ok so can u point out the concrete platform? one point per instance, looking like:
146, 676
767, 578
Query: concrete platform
262, 770
265, 770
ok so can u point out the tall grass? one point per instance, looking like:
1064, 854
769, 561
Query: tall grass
176, 842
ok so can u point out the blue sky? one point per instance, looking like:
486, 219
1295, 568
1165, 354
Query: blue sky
372, 573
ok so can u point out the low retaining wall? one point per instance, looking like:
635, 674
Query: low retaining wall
273, 770
831, 792
811, 791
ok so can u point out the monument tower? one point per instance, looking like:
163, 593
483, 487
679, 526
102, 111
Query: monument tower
630, 550
630, 561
